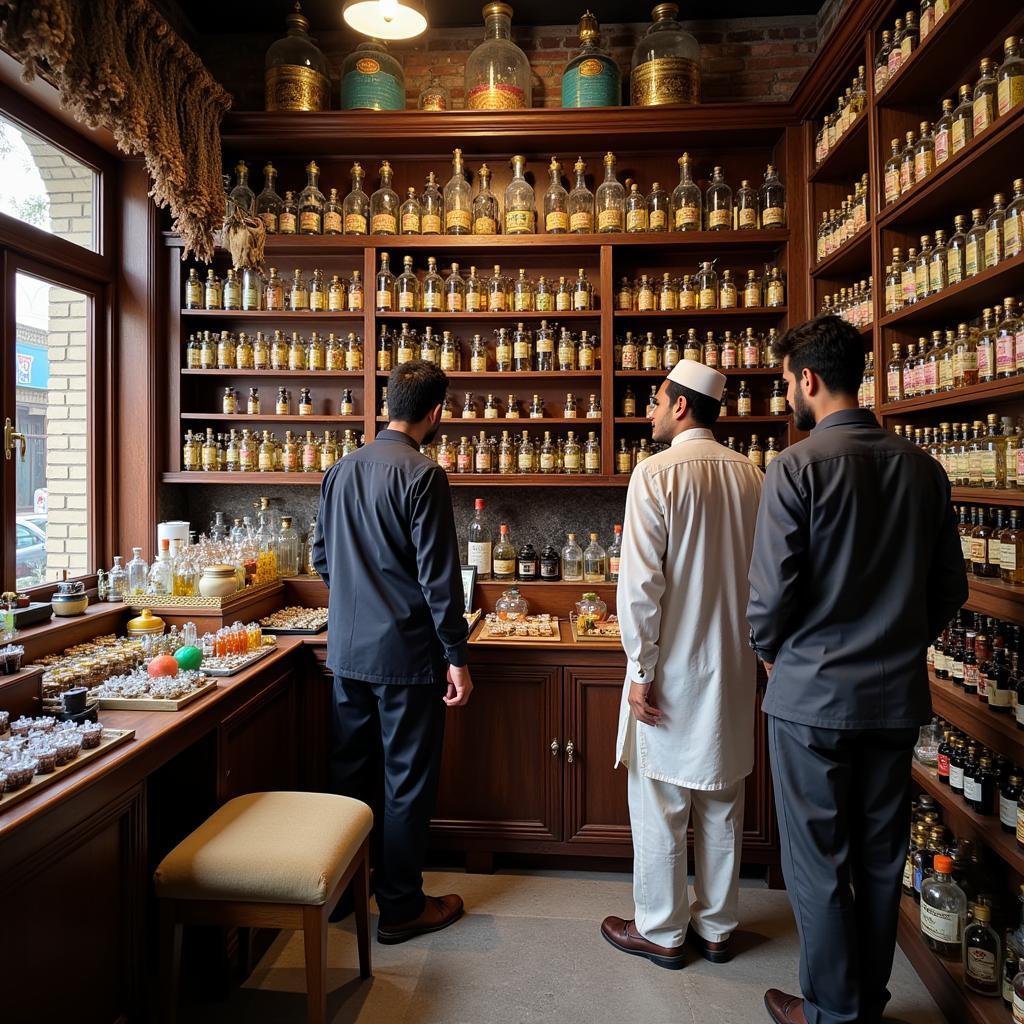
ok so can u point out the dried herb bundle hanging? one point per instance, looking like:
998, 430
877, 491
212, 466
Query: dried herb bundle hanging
120, 66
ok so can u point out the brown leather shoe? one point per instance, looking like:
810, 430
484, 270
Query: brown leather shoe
713, 952
438, 913
784, 1008
624, 936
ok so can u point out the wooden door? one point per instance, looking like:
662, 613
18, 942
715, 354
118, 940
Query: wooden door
499, 777
597, 811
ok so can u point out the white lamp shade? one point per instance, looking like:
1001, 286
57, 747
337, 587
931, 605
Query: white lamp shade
386, 19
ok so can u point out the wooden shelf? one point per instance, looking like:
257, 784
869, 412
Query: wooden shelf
554, 375
721, 419
702, 314
993, 597
760, 371
989, 391
221, 417
960, 817
293, 374
455, 479
522, 423
255, 479
848, 159
964, 299
944, 979
965, 180
851, 259
995, 730
989, 496
531, 317
267, 316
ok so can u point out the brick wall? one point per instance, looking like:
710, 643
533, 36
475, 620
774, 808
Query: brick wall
746, 59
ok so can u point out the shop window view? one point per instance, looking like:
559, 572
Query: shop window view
43, 186
51, 402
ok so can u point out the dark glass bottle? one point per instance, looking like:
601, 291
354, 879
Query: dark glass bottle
956, 664
945, 748
986, 790
527, 563
956, 767
982, 954
970, 663
550, 564
982, 563
970, 769
941, 646
1000, 696
1009, 794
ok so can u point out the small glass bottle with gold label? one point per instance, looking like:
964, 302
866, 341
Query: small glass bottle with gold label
296, 352
586, 352
317, 292
581, 202
431, 208
636, 210
775, 289
232, 293
610, 199
347, 406
298, 293
707, 287
409, 216
478, 355
282, 403
355, 292
583, 293
193, 290
543, 296
226, 351
566, 351
556, 202
669, 350
659, 208
485, 205
252, 289
519, 200
305, 402
752, 294
748, 214
213, 292
718, 203
288, 220
252, 405
728, 297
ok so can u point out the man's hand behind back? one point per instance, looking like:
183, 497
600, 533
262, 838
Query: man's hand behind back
460, 686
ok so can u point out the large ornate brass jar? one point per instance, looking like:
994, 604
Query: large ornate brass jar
666, 62
295, 75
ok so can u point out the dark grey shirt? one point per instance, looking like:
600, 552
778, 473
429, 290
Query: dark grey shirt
857, 567
385, 545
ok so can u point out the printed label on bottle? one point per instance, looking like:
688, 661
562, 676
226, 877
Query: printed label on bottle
892, 185
719, 219
943, 759
940, 925
942, 146
410, 223
1018, 1001
430, 223
956, 777
556, 220
959, 135
609, 220
592, 83
923, 165
953, 271
980, 964
777, 407
748, 217
581, 221
743, 407
979, 550
455, 302
581, 300
1011, 236
384, 298
355, 224
592, 460
636, 220
988, 475
972, 788
687, 218
973, 265
521, 350
983, 112
367, 87
658, 220
773, 217
707, 298
908, 874
332, 222
1010, 92
934, 276
383, 224
998, 696
518, 222
309, 222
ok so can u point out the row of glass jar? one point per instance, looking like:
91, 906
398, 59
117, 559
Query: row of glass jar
509, 454
704, 290
231, 403
837, 227
745, 350
251, 291
498, 293
456, 211
250, 451
897, 45
855, 304
226, 350
835, 125
986, 454
996, 93
988, 242
951, 360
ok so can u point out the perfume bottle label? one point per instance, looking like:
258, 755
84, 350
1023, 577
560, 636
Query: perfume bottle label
591, 83
500, 96
367, 87
665, 80
291, 87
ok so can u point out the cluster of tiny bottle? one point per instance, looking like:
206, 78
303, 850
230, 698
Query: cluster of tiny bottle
706, 289
854, 304
838, 123
744, 349
226, 350
987, 454
253, 291
251, 451
837, 227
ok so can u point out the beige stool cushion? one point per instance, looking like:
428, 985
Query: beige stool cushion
268, 848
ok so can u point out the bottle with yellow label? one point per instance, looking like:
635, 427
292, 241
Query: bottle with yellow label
743, 400
1010, 77
581, 202
586, 352
583, 293
659, 209
772, 200
288, 221
191, 458
384, 205
353, 353
385, 284
317, 292
229, 403
747, 208
274, 292
984, 98
668, 294
687, 203
213, 293
410, 214
311, 203
193, 290
232, 291
707, 287
556, 202
636, 210
519, 200
432, 208
355, 292
475, 293
296, 352
451, 353
298, 293
728, 296
719, 203
645, 298
566, 352
278, 352
356, 207
267, 453
478, 355
282, 403
458, 200
610, 199
775, 289
497, 292
226, 350
485, 205
543, 297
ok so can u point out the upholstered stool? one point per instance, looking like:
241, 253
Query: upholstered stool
269, 860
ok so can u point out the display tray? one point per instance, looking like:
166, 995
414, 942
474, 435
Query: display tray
612, 639
288, 631
110, 738
472, 618
35, 613
250, 659
161, 602
154, 703
547, 634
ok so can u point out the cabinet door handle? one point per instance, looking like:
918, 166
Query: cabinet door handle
570, 752
554, 748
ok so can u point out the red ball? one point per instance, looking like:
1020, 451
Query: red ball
163, 665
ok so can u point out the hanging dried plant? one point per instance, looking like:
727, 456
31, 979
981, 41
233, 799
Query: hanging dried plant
119, 65
244, 236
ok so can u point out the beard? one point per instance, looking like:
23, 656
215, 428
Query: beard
803, 415
431, 433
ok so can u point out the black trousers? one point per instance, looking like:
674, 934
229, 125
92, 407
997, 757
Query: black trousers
843, 802
386, 751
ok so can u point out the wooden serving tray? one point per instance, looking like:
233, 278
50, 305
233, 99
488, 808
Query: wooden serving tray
250, 659
110, 738
588, 638
554, 637
154, 703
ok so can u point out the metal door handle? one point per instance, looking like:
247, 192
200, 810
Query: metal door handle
570, 752
10, 436
554, 748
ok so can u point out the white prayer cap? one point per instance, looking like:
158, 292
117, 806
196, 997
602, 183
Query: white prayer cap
698, 377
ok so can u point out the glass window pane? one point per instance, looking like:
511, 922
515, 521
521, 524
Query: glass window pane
46, 187
51, 392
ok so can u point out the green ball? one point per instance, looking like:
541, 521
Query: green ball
188, 657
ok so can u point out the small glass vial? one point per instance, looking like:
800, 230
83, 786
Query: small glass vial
229, 404
305, 403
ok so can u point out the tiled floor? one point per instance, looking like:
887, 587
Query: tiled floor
529, 951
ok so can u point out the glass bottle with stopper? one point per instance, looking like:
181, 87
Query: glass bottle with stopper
666, 62
591, 78
295, 73
497, 71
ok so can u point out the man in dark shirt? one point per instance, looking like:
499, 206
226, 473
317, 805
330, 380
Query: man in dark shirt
857, 567
385, 545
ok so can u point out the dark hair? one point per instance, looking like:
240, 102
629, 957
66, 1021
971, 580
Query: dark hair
828, 346
703, 408
414, 388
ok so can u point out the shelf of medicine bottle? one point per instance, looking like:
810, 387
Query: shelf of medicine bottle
270, 316
537, 480
223, 417
989, 390
996, 598
761, 371
853, 257
293, 374
640, 420
966, 299
255, 479
848, 157
944, 979
531, 317
997, 730
520, 423
961, 819
515, 375
702, 314
1009, 498
987, 164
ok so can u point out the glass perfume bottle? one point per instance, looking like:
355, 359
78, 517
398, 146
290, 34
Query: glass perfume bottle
497, 71
485, 205
556, 202
666, 62
458, 200
773, 200
610, 198
687, 204
719, 203
384, 204
591, 78
268, 202
431, 208
519, 200
356, 206
311, 203
409, 213
295, 73
434, 96
581, 202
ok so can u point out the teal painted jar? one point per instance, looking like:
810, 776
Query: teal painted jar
591, 78
371, 79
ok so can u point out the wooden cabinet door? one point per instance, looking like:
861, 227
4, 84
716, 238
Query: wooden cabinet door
597, 811
256, 744
499, 778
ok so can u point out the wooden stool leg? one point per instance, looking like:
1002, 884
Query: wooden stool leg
314, 933
170, 962
361, 898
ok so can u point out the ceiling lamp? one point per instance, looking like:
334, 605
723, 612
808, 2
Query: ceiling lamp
386, 19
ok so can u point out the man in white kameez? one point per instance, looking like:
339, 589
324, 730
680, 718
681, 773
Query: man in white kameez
686, 724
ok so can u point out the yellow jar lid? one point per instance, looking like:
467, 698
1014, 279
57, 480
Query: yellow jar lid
145, 623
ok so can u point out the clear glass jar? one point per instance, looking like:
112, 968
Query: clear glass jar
136, 574
434, 96
512, 606
288, 548
295, 73
371, 79
666, 62
590, 609
497, 71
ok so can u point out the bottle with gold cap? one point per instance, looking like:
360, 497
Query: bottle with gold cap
372, 79
295, 73
497, 71
666, 62
984, 97
1009, 77
591, 78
